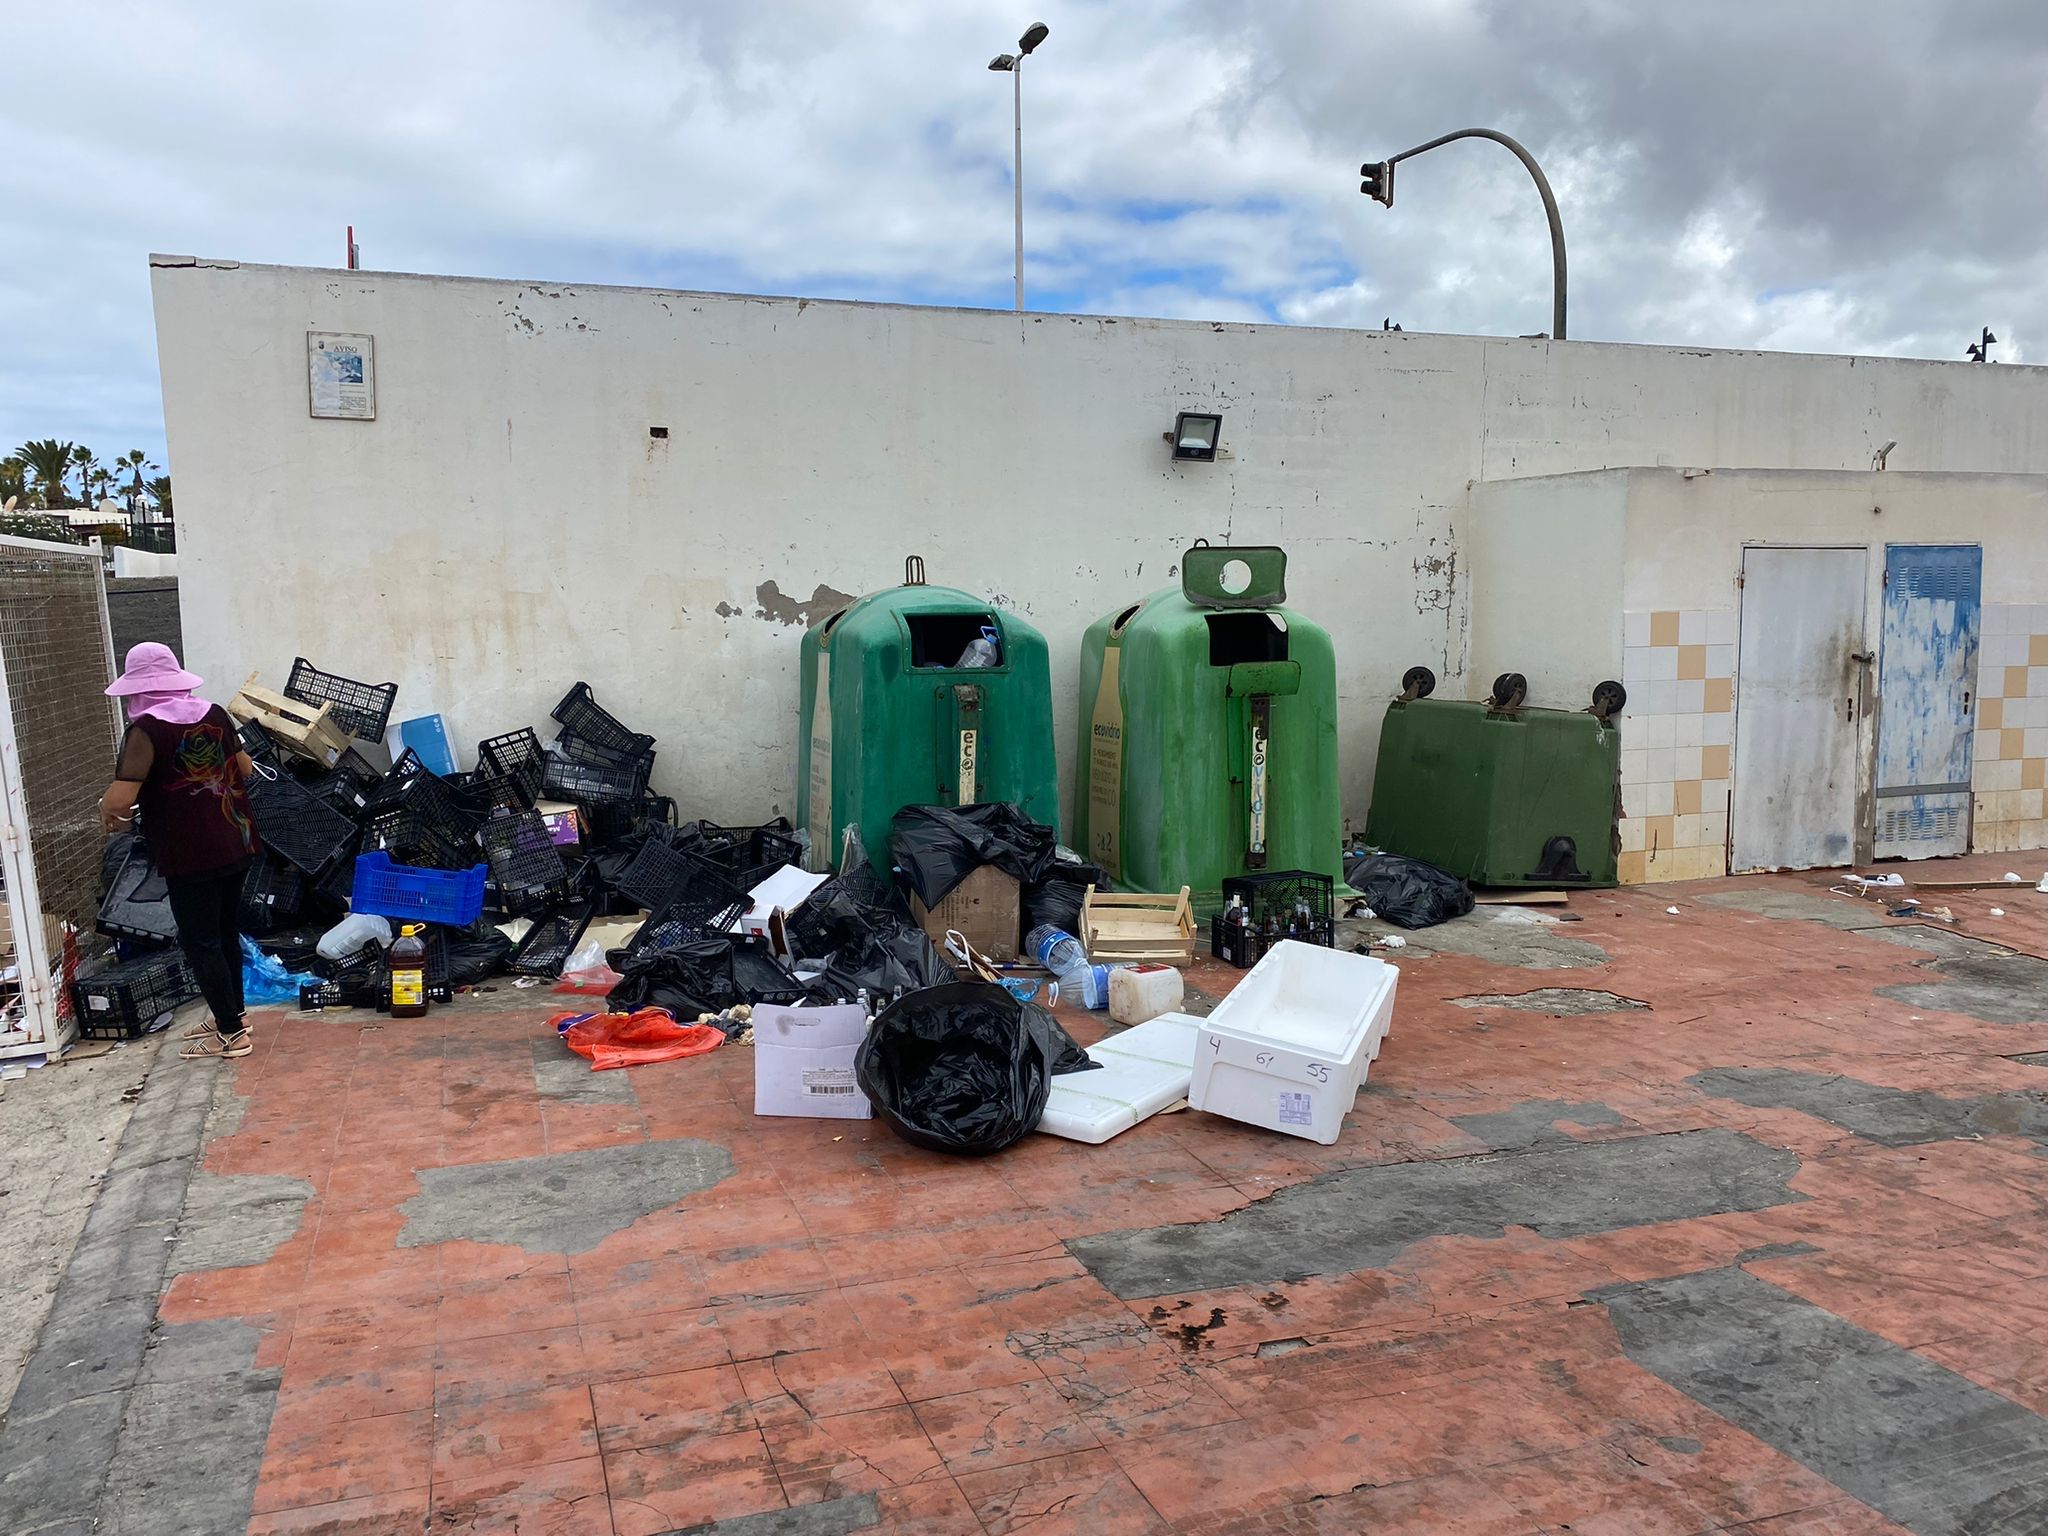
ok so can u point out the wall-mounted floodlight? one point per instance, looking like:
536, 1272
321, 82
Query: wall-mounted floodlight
1195, 435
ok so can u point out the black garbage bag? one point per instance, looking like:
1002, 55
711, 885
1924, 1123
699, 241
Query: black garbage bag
295, 948
475, 953
1408, 892
861, 934
963, 1067
938, 846
687, 980
1056, 899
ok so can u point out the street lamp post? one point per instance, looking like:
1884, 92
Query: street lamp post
1377, 182
1013, 63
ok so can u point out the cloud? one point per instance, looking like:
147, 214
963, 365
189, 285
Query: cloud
1844, 175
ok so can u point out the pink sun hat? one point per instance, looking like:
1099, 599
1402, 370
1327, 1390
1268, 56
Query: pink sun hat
153, 667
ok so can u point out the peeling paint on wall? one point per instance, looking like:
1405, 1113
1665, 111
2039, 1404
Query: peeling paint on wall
823, 602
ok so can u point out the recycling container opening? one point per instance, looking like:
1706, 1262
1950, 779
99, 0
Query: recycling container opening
941, 639
1240, 637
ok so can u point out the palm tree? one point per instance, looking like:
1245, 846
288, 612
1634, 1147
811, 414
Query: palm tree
132, 464
51, 461
13, 479
160, 492
85, 461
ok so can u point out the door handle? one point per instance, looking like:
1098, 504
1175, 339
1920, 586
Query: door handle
1866, 657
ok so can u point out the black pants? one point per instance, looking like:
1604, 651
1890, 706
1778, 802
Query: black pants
208, 911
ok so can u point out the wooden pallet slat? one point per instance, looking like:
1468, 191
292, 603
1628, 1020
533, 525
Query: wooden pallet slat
1153, 928
305, 730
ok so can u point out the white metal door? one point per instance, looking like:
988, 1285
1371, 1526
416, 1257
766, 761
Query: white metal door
1798, 704
1927, 679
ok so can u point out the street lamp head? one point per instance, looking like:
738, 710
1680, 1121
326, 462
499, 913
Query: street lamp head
1003, 62
1033, 35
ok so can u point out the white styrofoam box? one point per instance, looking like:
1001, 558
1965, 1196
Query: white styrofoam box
803, 1062
1143, 1070
788, 888
1290, 1047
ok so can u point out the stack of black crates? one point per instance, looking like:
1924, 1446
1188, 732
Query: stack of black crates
1287, 904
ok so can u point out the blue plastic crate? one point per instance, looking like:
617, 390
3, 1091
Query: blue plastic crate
386, 889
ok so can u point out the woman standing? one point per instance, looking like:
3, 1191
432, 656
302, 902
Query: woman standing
182, 764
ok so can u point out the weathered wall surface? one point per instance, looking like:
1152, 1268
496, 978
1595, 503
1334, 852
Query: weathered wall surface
507, 524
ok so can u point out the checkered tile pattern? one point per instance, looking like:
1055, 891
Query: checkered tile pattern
1679, 669
2010, 764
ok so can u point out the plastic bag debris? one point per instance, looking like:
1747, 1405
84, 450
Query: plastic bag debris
1407, 892
474, 954
265, 980
611, 1040
962, 1068
586, 971
938, 846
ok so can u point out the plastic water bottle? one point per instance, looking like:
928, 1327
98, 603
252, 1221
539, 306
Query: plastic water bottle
1061, 953
983, 652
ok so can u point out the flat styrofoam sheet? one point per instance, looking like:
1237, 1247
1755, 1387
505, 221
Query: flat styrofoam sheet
1143, 1070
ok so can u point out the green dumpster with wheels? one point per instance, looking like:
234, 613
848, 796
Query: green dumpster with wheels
1499, 793
919, 695
1208, 732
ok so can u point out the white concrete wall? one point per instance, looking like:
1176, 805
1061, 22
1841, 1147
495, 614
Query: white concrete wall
143, 562
507, 525
1546, 561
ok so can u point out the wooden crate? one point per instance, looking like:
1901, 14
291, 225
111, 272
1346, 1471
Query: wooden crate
1156, 929
302, 729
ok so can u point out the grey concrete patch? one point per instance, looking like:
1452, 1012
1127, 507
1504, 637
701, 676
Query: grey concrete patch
1943, 943
1892, 1117
560, 1202
234, 1220
834, 1517
1930, 1449
1563, 1002
190, 1452
1493, 934
1360, 1218
559, 1073
1998, 989
65, 1464
2031, 1058
1847, 913
1534, 1123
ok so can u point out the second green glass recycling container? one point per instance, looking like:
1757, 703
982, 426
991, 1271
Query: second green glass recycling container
919, 695
1208, 732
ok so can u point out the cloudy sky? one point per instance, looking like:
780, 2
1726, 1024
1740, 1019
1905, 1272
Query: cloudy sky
1826, 175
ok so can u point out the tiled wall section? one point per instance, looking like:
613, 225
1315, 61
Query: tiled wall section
2010, 764
1679, 669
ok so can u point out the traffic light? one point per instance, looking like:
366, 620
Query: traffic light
1376, 181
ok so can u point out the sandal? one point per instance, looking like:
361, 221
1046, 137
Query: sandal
212, 1045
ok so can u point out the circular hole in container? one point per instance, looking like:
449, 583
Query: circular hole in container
1234, 578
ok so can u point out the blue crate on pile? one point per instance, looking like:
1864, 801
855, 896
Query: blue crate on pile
386, 889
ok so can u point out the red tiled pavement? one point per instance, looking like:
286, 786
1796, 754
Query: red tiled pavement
847, 1315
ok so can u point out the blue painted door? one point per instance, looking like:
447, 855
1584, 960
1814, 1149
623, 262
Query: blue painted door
1927, 708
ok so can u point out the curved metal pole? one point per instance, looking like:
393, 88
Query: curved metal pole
1557, 282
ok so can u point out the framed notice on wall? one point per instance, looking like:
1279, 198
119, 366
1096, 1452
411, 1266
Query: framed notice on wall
341, 375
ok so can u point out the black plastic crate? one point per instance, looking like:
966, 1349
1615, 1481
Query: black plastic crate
656, 870
363, 980
592, 734
138, 904
501, 794
751, 854
760, 977
595, 783
700, 909
273, 895
421, 819
361, 709
257, 742
551, 940
350, 785
296, 824
123, 1000
335, 888
516, 755
526, 867
1287, 904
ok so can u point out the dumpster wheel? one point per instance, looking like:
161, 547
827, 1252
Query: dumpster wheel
1609, 698
1417, 683
1509, 690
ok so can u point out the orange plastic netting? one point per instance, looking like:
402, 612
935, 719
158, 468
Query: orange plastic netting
631, 1039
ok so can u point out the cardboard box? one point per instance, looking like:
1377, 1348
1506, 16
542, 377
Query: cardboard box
803, 1062
565, 829
986, 909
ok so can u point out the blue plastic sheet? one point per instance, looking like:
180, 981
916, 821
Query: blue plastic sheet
265, 980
